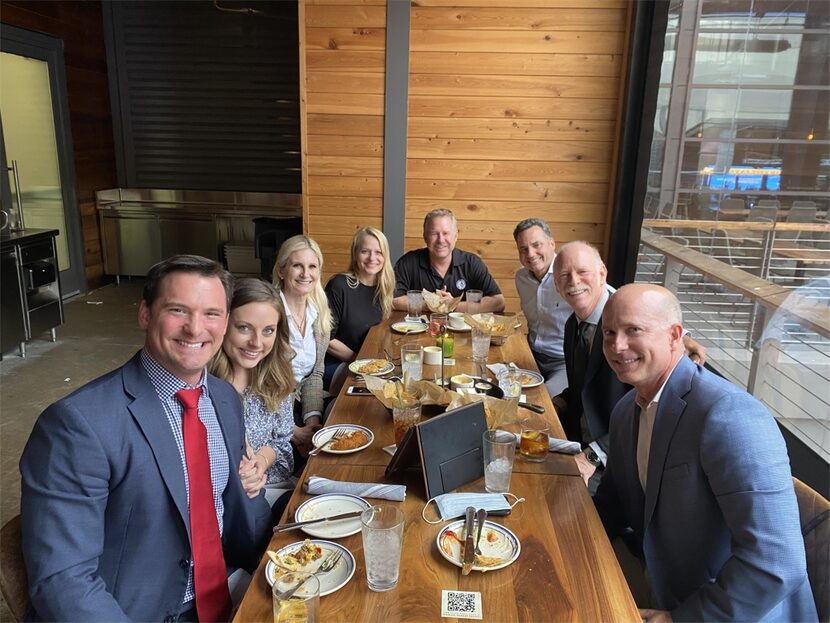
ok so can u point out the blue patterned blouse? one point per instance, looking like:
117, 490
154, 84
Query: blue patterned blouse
272, 429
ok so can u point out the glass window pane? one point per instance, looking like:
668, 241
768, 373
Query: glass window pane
755, 113
29, 132
759, 14
767, 58
754, 167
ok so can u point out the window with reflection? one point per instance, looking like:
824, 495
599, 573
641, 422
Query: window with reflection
739, 169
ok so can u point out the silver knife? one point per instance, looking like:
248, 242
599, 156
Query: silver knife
469, 542
532, 407
299, 524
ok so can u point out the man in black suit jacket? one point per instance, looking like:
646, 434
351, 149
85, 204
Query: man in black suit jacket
593, 389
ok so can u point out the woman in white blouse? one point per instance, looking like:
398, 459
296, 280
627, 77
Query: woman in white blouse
297, 276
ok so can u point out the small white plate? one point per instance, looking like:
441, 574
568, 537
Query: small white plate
324, 434
463, 329
409, 327
497, 543
357, 364
330, 581
328, 505
537, 379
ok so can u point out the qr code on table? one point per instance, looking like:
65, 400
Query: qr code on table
461, 604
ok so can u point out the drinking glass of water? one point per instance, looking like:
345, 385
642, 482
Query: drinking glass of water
481, 344
473, 301
499, 452
382, 528
412, 361
414, 304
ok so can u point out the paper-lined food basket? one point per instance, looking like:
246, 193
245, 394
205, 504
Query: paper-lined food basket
394, 393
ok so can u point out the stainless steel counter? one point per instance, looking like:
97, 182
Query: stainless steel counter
140, 227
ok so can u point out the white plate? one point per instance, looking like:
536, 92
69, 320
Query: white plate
331, 581
496, 542
538, 379
324, 434
355, 366
463, 329
409, 327
328, 505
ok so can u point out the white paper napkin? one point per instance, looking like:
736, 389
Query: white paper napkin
562, 446
316, 485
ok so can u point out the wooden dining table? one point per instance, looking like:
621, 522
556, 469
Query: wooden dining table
566, 570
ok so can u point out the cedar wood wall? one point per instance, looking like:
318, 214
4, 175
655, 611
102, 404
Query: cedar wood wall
513, 112
80, 26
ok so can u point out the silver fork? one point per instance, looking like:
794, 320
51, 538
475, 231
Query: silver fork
330, 562
338, 434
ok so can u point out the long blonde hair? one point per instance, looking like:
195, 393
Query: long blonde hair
273, 377
385, 285
318, 295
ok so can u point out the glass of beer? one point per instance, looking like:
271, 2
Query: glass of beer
534, 441
296, 598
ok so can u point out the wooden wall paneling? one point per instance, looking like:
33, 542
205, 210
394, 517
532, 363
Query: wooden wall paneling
514, 109
533, 42
344, 103
534, 4
471, 63
530, 171
346, 165
337, 206
514, 86
352, 15
521, 150
498, 106
333, 60
342, 83
79, 25
513, 128
345, 125
571, 192
545, 18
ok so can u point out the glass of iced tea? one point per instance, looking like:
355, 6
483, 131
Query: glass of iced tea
534, 442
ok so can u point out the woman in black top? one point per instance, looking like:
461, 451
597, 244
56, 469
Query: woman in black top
359, 298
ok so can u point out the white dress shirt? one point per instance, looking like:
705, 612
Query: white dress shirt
305, 346
647, 415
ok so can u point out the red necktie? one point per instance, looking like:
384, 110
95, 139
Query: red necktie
210, 581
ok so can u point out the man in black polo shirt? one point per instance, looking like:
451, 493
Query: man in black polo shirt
442, 268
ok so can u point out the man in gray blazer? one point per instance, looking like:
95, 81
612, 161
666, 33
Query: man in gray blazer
106, 506
698, 474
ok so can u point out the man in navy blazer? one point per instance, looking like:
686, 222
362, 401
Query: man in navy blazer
104, 504
699, 473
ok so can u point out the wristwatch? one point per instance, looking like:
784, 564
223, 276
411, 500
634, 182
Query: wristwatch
593, 458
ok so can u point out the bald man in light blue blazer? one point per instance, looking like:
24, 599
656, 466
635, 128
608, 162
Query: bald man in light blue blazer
699, 473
